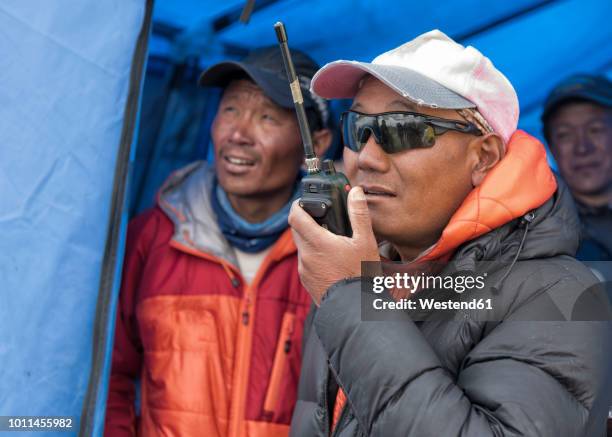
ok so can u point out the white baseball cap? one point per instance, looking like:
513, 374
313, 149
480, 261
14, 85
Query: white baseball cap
435, 71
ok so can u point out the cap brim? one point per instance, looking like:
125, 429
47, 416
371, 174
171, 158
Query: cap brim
274, 87
340, 80
587, 95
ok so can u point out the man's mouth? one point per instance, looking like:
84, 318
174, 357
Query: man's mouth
372, 190
240, 161
586, 167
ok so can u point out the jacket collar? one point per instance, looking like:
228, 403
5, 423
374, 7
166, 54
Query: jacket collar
185, 198
521, 182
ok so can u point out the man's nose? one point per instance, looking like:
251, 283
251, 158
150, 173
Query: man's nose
372, 157
583, 145
242, 131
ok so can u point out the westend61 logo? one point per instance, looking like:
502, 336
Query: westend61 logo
456, 290
414, 283
434, 292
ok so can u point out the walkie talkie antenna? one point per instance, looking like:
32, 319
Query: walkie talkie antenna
312, 162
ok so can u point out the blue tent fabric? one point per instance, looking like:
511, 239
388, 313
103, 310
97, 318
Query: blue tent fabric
175, 120
64, 87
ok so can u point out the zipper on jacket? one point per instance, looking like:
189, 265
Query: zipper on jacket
281, 356
245, 310
242, 362
244, 336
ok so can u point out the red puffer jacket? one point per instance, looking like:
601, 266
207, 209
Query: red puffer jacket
215, 356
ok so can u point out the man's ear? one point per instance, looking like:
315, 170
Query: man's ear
321, 140
487, 151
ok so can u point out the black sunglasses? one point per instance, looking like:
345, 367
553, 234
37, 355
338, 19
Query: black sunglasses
397, 131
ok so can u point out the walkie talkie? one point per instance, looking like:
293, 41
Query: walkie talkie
324, 191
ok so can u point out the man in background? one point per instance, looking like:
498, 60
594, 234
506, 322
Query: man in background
211, 306
577, 121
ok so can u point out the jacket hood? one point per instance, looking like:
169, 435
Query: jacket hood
520, 183
553, 230
185, 198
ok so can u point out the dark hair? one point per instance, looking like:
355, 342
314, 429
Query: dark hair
314, 119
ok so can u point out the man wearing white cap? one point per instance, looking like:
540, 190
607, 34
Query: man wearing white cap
440, 174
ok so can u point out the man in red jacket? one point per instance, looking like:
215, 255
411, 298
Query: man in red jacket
211, 307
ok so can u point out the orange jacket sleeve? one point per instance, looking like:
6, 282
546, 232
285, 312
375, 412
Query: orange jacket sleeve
127, 351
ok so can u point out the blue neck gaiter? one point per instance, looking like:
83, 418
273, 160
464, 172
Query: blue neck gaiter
245, 236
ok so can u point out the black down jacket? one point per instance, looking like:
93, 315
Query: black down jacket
517, 376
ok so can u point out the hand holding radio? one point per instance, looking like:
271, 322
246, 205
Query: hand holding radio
325, 258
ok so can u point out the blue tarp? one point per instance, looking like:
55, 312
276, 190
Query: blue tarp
64, 70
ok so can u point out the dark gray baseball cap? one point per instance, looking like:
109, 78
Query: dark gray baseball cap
265, 67
589, 87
